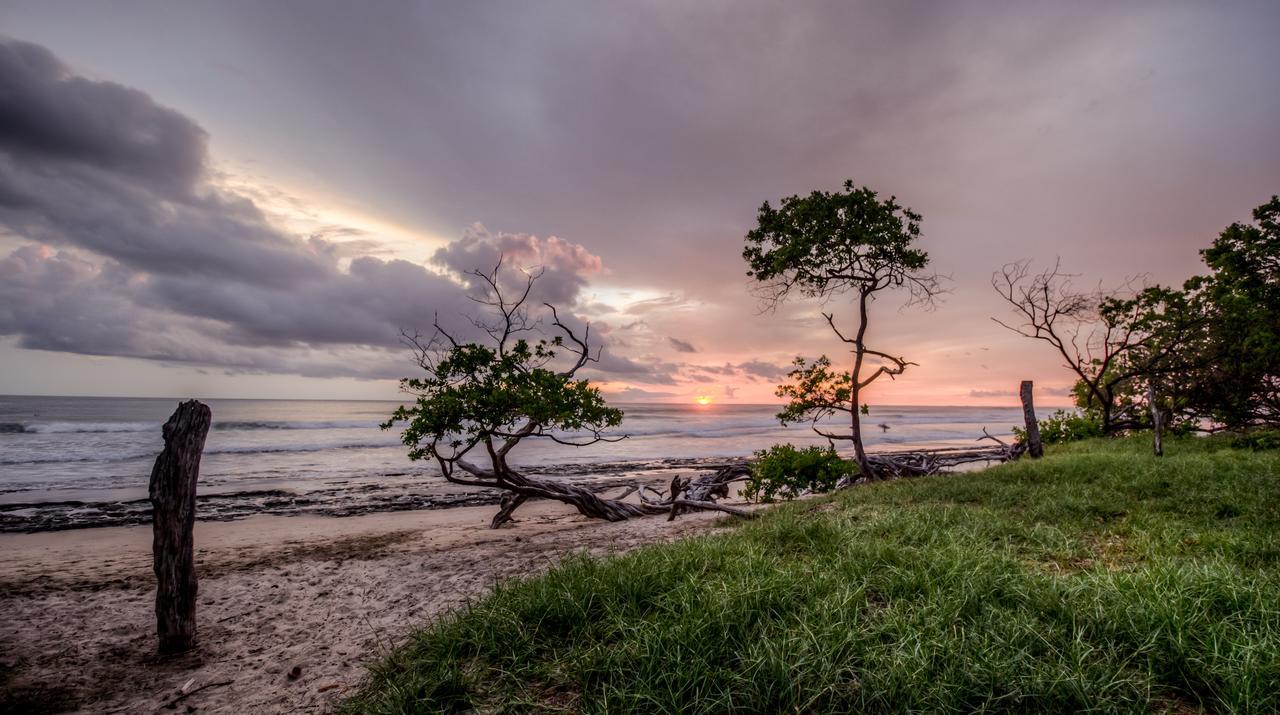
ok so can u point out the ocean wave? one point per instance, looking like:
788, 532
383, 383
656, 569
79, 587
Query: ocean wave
110, 427
74, 427
47, 458
285, 425
268, 449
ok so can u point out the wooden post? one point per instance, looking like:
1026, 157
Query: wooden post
1034, 447
1157, 420
173, 504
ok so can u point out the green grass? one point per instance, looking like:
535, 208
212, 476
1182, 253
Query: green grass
1097, 579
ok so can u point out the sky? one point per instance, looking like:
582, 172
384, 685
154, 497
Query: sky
255, 199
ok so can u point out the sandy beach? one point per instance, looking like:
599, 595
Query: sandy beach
291, 609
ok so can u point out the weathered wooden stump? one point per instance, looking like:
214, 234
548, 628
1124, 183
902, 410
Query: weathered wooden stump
173, 504
1034, 447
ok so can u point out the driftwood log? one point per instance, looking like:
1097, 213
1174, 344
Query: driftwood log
684, 495
701, 493
173, 503
923, 462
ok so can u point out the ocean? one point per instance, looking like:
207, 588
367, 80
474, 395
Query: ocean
68, 462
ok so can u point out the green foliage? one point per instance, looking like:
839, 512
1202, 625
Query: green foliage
814, 391
829, 242
473, 393
1093, 580
782, 471
1065, 426
1239, 384
1259, 439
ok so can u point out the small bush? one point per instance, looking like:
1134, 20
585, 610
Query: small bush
1257, 440
1064, 426
782, 471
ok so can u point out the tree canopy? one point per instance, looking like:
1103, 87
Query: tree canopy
828, 243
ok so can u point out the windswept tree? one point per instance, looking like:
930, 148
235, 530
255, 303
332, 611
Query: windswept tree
479, 400
823, 246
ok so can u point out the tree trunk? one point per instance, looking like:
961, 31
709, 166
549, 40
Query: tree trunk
587, 502
859, 452
1157, 420
173, 504
1034, 447
510, 502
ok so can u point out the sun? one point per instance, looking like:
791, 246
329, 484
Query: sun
703, 399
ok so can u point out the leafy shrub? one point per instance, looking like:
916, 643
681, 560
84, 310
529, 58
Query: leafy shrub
1065, 426
1257, 440
782, 471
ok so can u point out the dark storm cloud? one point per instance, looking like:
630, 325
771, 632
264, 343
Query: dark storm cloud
682, 346
48, 113
102, 166
156, 262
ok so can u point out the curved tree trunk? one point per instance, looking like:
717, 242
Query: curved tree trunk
510, 502
521, 488
859, 351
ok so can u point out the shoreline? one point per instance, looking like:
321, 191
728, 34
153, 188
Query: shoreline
326, 595
363, 495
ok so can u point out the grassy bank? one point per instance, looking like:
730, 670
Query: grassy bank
1097, 578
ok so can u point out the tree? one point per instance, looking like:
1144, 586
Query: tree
824, 245
487, 397
1208, 353
1115, 342
1239, 383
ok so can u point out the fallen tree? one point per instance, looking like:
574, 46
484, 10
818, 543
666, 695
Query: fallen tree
480, 400
923, 462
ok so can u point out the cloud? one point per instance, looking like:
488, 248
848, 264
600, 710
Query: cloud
718, 370
992, 393
649, 370
130, 250
636, 393
1054, 391
649, 305
61, 119
562, 267
682, 346
765, 370
754, 370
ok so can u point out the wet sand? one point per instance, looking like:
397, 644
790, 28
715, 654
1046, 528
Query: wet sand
291, 609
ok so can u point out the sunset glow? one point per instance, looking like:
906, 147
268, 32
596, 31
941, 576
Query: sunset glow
703, 399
